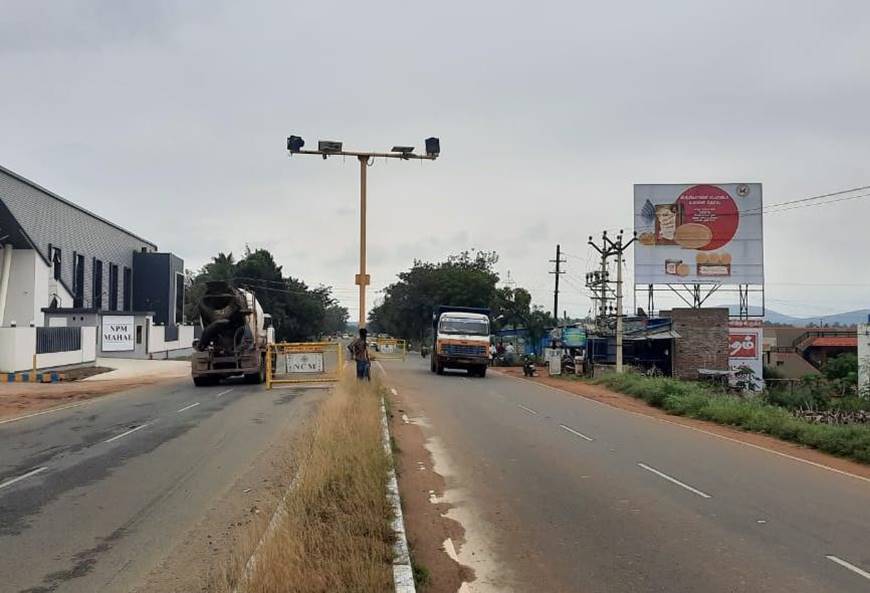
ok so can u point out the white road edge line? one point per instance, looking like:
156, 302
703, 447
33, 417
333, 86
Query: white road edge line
48, 411
38, 470
701, 430
224, 392
674, 480
187, 407
572, 431
849, 566
123, 434
529, 410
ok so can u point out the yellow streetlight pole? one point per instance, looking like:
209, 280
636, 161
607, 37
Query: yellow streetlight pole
329, 148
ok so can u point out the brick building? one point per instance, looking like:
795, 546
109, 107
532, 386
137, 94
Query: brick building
703, 341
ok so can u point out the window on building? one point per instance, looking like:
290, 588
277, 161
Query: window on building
128, 288
54, 256
97, 294
113, 287
138, 334
78, 280
179, 298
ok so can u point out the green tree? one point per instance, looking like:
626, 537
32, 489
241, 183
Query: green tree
466, 279
298, 312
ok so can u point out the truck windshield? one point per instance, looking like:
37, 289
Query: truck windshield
456, 325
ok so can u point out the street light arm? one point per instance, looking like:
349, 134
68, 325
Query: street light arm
387, 155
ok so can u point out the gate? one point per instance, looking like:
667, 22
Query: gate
303, 362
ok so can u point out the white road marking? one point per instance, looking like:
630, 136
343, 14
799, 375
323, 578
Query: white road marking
674, 480
223, 392
187, 407
123, 434
849, 566
49, 411
38, 470
405, 419
529, 410
701, 430
574, 432
393, 391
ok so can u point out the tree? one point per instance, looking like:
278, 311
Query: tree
298, 312
466, 279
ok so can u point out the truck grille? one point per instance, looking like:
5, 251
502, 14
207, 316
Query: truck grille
463, 350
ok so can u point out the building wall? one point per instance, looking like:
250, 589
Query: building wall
155, 285
703, 341
22, 293
48, 219
864, 358
18, 344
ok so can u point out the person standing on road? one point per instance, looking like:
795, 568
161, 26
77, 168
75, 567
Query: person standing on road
359, 349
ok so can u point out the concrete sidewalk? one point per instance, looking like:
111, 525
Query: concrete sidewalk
129, 368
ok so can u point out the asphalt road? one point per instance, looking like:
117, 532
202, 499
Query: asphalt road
92, 498
579, 496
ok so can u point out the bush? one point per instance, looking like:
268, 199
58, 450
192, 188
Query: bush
769, 415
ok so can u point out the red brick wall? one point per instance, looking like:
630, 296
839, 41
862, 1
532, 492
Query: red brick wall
703, 341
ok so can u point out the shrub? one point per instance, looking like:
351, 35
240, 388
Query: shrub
769, 414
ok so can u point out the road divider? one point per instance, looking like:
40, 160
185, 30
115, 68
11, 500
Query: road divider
849, 566
574, 432
674, 480
129, 432
193, 405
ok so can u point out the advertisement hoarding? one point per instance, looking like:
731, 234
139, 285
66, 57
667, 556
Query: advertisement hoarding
698, 234
117, 333
745, 338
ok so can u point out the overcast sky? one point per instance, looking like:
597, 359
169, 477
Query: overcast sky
170, 118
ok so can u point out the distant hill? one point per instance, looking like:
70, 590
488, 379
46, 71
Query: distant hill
847, 318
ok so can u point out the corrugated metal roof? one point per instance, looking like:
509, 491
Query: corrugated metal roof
835, 342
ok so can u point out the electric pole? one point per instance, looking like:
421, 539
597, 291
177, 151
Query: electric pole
558, 261
610, 248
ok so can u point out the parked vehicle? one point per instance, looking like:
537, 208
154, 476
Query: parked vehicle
461, 340
529, 367
235, 336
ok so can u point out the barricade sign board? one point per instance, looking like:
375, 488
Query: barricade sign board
303, 362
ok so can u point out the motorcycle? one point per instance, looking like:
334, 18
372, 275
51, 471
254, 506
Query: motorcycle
529, 367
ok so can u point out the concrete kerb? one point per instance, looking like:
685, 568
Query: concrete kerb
403, 573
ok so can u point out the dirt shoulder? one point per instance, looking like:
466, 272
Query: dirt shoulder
421, 487
605, 396
21, 399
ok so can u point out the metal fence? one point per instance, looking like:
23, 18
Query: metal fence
58, 339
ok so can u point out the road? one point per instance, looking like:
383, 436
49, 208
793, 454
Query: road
573, 495
95, 497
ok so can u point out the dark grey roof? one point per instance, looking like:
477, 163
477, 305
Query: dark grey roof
73, 205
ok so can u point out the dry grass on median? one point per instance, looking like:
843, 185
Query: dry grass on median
335, 534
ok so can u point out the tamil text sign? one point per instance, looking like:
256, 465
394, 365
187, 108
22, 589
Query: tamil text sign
117, 333
744, 352
698, 234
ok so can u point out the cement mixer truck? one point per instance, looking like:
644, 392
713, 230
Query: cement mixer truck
234, 338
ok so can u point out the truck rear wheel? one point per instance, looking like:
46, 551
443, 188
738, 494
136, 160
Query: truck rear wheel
205, 380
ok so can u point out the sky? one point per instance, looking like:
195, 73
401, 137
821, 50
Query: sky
170, 119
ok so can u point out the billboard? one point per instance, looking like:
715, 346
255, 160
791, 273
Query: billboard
744, 349
117, 333
698, 234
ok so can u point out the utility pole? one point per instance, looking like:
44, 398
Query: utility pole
328, 148
558, 261
610, 248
